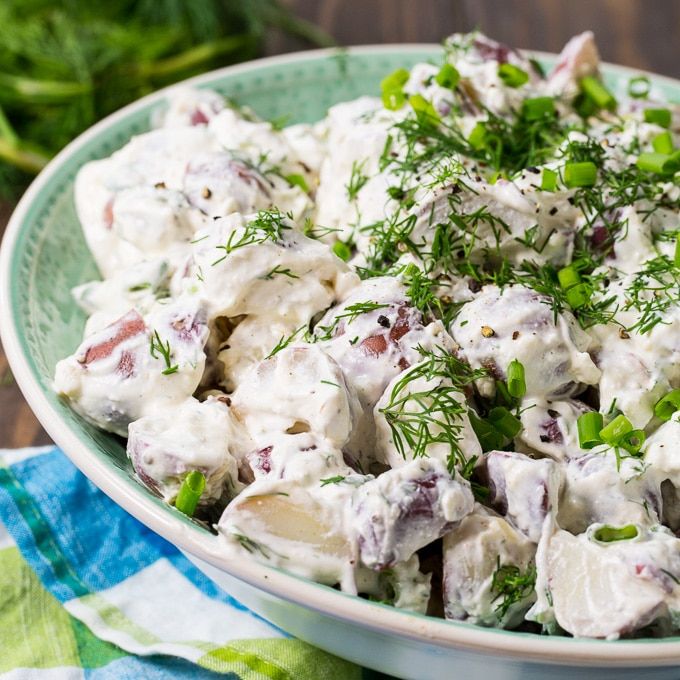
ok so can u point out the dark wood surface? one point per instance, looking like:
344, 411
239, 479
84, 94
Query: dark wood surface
638, 33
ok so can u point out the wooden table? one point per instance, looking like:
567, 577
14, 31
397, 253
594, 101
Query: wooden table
637, 33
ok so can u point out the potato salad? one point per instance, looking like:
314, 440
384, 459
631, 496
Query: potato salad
425, 351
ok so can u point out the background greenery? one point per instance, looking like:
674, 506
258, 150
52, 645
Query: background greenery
65, 65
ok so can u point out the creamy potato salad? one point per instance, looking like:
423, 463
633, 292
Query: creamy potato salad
425, 351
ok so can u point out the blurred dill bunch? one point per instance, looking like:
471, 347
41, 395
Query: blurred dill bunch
65, 65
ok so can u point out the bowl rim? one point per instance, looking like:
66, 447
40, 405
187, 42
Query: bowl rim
287, 586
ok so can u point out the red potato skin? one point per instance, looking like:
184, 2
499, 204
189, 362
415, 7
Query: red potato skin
126, 327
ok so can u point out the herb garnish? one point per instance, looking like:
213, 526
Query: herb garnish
157, 347
510, 584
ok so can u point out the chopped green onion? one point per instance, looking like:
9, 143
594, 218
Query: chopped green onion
583, 174
577, 292
190, 492
638, 87
568, 277
608, 534
616, 430
598, 93
502, 394
342, 250
548, 180
448, 76
502, 420
659, 163
392, 88
585, 106
578, 296
589, 425
490, 439
517, 386
676, 257
660, 117
512, 75
425, 112
668, 405
296, 180
538, 107
633, 441
477, 138
663, 143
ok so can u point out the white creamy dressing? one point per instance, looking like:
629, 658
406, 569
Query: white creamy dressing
316, 319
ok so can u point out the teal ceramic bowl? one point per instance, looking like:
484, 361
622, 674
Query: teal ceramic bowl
44, 255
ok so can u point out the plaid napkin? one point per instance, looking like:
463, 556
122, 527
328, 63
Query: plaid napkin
86, 591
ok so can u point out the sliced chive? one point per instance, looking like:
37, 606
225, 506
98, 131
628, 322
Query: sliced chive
667, 405
595, 90
490, 439
296, 180
583, 174
659, 163
633, 441
608, 534
538, 107
576, 291
512, 75
190, 492
342, 250
424, 110
448, 76
589, 425
585, 106
392, 88
663, 143
548, 180
517, 386
660, 117
477, 138
638, 87
502, 394
578, 296
568, 277
614, 432
502, 420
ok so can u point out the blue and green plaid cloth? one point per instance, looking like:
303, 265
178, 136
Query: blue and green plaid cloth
86, 591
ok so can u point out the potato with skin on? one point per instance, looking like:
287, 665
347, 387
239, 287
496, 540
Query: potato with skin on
281, 523
608, 589
447, 419
523, 490
499, 326
261, 264
599, 488
136, 366
306, 392
406, 509
549, 428
473, 553
166, 446
374, 334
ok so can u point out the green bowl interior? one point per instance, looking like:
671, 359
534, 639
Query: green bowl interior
50, 255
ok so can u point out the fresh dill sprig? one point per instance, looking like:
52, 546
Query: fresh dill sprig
158, 347
348, 314
434, 414
653, 291
357, 180
511, 585
279, 271
268, 225
287, 340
